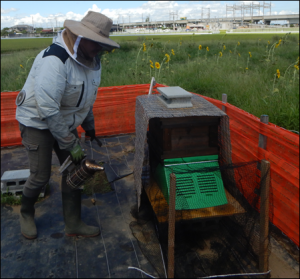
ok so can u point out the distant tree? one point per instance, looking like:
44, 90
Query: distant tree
24, 32
38, 29
147, 19
4, 31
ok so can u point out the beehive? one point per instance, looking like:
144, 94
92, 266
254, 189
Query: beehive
187, 143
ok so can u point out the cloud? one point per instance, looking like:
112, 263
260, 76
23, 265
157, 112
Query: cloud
7, 11
94, 9
157, 10
287, 12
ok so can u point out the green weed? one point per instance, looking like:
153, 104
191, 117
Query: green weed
200, 71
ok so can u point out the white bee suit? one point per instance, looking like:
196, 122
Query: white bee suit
59, 93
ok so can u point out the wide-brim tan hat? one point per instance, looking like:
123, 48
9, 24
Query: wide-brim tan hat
94, 26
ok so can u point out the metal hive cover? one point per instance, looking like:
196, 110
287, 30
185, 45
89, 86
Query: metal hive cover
175, 97
173, 92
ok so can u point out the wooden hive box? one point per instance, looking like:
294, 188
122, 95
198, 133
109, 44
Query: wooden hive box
181, 137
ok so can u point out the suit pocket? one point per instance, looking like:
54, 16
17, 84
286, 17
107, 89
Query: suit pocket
33, 155
73, 95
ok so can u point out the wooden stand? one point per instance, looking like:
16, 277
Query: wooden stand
159, 205
264, 216
171, 230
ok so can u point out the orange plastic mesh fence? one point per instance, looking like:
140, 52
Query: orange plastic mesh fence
114, 112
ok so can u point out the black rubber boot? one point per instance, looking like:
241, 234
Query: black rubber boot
72, 216
28, 227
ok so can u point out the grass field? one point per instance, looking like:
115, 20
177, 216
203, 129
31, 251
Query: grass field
11, 45
250, 80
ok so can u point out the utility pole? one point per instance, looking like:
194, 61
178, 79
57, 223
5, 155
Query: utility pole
173, 14
267, 6
255, 7
208, 14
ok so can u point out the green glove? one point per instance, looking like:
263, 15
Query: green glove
77, 154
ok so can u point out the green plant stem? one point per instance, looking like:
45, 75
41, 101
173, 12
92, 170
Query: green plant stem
294, 77
136, 63
274, 83
161, 67
288, 68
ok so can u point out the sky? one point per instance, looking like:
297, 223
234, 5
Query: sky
48, 14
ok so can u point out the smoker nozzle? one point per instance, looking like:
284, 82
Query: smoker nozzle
92, 165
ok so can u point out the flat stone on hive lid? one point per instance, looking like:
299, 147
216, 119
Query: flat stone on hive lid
175, 97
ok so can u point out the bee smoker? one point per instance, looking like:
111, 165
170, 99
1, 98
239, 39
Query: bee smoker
77, 174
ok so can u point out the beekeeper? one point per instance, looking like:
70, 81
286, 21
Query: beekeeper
57, 97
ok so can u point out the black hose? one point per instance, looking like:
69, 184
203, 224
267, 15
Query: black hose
120, 177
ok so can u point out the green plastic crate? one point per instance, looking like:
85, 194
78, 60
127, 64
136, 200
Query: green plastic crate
193, 190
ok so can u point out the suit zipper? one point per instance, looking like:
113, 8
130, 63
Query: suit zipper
81, 95
73, 121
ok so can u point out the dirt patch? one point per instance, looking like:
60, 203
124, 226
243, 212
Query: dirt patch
285, 242
98, 183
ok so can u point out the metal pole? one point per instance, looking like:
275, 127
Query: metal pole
224, 100
171, 231
262, 140
264, 217
262, 143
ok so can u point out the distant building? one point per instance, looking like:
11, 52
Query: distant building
47, 31
116, 27
196, 26
22, 27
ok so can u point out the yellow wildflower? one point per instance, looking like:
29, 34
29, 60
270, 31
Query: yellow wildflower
173, 52
220, 54
151, 66
157, 65
268, 42
239, 54
151, 45
276, 46
230, 51
180, 43
200, 47
144, 47
151, 62
250, 55
21, 66
278, 73
246, 68
238, 43
207, 48
113, 50
296, 67
189, 55
224, 47
168, 57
